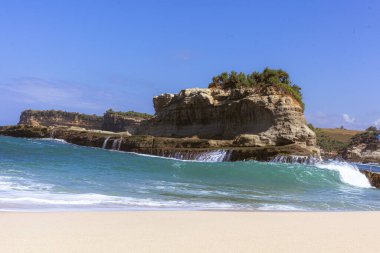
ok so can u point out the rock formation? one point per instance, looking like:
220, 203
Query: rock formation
60, 118
364, 147
264, 116
373, 177
122, 122
182, 148
111, 121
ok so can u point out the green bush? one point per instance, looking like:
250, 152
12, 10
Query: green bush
277, 77
130, 114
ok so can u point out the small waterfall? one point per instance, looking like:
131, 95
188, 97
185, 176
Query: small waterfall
116, 144
297, 159
213, 156
205, 156
105, 142
52, 133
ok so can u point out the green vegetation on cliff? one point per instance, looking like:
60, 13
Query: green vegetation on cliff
277, 77
60, 113
130, 114
370, 136
332, 140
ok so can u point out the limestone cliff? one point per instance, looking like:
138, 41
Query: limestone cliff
111, 121
262, 116
123, 121
60, 118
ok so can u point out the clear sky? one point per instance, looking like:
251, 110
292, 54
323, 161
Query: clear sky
89, 56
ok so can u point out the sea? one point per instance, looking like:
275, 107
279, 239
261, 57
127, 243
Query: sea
52, 175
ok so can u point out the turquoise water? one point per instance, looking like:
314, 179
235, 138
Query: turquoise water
40, 174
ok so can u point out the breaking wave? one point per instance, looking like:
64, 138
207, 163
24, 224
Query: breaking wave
50, 174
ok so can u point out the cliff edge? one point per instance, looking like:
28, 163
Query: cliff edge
60, 118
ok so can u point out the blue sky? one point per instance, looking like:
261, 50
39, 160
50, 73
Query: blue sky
89, 56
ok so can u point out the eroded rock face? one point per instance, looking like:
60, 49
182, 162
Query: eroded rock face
373, 177
60, 118
117, 122
253, 117
159, 102
364, 147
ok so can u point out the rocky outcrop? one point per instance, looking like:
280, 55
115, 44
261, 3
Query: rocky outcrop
256, 117
160, 102
364, 147
122, 122
60, 118
183, 148
373, 177
111, 121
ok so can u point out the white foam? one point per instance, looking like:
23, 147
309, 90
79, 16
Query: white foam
19, 193
213, 156
67, 200
8, 183
268, 207
348, 173
54, 140
208, 156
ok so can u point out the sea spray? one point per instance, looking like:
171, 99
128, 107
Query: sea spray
348, 173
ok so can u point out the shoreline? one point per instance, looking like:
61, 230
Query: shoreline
63, 211
187, 231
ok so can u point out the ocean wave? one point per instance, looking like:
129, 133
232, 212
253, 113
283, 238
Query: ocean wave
67, 200
348, 173
53, 176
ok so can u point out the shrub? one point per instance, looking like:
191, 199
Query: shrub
277, 77
130, 114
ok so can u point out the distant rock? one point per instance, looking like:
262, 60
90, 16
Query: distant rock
60, 118
111, 121
364, 147
123, 121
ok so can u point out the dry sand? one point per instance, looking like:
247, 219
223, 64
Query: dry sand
191, 231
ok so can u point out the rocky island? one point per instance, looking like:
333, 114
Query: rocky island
256, 116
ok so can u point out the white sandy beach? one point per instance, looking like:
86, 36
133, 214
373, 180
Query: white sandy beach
189, 231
